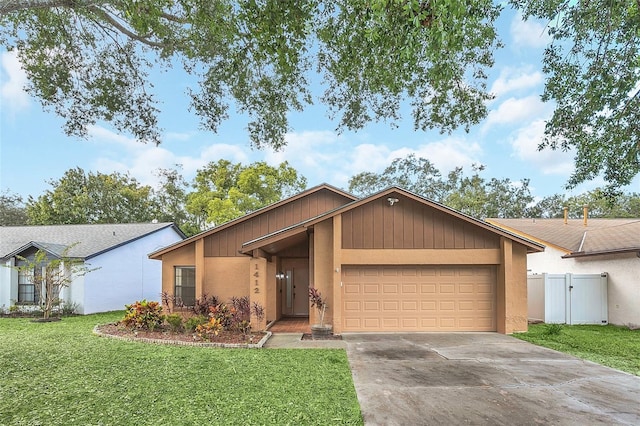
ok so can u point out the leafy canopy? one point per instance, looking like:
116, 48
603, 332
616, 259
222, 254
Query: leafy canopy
91, 60
473, 195
593, 77
79, 197
225, 191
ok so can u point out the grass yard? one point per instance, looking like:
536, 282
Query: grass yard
60, 373
609, 345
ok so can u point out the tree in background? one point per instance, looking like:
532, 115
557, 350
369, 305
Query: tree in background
225, 191
12, 210
473, 195
599, 202
413, 174
80, 197
170, 199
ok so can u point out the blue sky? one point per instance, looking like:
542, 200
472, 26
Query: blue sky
34, 149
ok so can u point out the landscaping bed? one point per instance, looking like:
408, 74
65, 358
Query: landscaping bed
223, 338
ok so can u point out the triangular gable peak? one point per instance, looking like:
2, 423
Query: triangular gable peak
227, 239
398, 219
28, 250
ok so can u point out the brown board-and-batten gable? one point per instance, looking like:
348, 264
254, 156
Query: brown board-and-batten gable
410, 224
229, 241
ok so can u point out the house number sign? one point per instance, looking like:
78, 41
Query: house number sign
256, 288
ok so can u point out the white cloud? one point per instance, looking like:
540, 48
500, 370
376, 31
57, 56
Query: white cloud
516, 110
14, 80
125, 155
529, 33
445, 155
516, 79
525, 142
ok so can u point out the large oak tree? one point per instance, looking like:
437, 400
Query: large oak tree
90, 60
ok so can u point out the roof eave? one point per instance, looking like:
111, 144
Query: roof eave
601, 252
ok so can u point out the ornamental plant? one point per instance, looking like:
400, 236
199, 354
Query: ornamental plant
210, 329
143, 315
318, 302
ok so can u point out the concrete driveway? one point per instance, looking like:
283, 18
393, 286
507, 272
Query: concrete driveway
483, 378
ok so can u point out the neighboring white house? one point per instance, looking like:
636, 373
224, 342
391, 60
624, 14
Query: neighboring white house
592, 246
119, 251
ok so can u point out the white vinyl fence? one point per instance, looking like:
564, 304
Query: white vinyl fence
568, 298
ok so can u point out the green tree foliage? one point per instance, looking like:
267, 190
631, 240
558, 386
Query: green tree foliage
92, 60
170, 201
80, 197
473, 195
592, 68
12, 210
598, 201
414, 174
225, 191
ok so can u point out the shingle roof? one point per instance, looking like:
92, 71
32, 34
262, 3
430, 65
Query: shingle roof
92, 239
600, 236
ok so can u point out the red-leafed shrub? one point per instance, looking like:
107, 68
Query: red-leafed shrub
143, 315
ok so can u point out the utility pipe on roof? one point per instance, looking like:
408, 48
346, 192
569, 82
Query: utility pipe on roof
566, 214
585, 212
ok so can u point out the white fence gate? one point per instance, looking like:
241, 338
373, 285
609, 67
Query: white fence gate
568, 298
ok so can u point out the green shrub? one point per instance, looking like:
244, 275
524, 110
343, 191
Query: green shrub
552, 329
69, 308
175, 322
194, 322
209, 329
143, 315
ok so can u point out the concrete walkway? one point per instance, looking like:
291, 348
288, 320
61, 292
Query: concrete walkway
483, 379
294, 341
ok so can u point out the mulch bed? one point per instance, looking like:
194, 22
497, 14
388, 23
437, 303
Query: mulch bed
158, 336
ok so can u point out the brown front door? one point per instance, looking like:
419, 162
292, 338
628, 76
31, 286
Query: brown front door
295, 288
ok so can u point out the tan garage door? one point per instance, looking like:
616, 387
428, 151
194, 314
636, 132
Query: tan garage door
419, 298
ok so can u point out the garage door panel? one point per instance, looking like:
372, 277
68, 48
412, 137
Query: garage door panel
390, 288
419, 298
411, 289
391, 306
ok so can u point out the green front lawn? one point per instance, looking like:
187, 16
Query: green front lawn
60, 373
609, 345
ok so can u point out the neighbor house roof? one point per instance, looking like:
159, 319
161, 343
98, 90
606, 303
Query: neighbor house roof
599, 236
301, 227
85, 241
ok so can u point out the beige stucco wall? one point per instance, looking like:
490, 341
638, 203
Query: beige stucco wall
518, 309
226, 277
623, 291
323, 275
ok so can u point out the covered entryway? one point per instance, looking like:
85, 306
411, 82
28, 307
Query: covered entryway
418, 298
295, 288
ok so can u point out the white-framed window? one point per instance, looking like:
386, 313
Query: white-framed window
27, 292
185, 285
